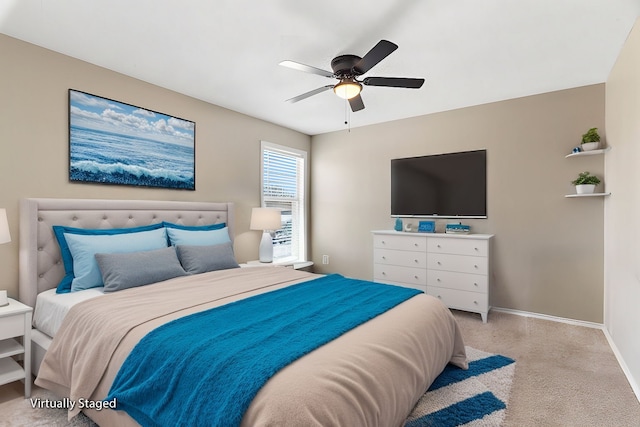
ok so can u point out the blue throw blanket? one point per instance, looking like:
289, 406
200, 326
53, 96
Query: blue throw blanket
206, 368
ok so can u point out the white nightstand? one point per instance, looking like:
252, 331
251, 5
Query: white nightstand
15, 322
301, 265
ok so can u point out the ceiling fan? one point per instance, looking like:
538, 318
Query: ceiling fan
347, 69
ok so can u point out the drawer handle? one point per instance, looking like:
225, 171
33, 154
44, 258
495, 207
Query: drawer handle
415, 244
475, 284
438, 245
439, 297
415, 260
383, 242
384, 273
415, 277
438, 279
439, 263
475, 302
475, 266
384, 257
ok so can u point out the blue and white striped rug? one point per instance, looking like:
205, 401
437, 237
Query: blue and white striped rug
476, 397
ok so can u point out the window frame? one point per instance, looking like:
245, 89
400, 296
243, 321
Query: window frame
302, 201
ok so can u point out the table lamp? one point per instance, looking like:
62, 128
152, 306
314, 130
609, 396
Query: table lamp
267, 220
5, 237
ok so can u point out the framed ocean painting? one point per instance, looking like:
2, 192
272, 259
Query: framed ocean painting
112, 142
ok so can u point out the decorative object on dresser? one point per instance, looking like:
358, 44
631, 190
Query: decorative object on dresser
451, 267
267, 220
426, 226
15, 322
590, 140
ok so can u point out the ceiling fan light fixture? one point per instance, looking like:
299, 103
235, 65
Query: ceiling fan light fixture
347, 88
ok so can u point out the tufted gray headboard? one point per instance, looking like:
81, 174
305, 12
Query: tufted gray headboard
41, 265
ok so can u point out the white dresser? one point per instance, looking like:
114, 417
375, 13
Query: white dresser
452, 267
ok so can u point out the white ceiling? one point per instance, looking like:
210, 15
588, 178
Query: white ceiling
226, 52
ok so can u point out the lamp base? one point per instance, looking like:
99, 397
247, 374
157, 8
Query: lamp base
266, 247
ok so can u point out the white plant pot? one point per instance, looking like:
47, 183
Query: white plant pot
585, 188
588, 146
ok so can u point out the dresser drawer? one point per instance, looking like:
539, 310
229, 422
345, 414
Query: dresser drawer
461, 281
13, 326
458, 263
402, 258
401, 242
463, 300
458, 246
394, 273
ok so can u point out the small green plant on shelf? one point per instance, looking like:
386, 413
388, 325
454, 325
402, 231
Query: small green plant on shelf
585, 178
591, 136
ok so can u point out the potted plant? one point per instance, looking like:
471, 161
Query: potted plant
585, 183
590, 140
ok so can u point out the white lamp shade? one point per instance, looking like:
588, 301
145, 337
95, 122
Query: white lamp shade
5, 236
265, 219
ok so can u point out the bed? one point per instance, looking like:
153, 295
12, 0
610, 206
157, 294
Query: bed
372, 374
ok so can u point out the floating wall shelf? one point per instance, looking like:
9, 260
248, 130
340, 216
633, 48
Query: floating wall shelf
588, 153
589, 195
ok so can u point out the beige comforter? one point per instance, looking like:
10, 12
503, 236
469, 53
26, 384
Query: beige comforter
371, 376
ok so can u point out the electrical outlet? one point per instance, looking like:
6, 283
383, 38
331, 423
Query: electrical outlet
325, 259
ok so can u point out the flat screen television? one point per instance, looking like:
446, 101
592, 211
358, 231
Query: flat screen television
452, 185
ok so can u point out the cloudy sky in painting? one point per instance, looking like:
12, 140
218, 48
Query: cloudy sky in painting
93, 112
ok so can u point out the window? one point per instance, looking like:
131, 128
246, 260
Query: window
284, 178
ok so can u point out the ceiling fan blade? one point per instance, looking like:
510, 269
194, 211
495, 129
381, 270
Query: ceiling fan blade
375, 55
356, 103
306, 68
394, 82
310, 93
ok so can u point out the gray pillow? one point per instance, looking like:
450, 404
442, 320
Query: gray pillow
127, 270
201, 259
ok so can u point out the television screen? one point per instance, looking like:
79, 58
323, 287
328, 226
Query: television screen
452, 185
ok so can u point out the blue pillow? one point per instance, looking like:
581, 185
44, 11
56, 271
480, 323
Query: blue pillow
194, 227
59, 230
178, 236
83, 249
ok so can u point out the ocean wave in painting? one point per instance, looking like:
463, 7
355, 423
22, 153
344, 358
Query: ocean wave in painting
107, 157
128, 175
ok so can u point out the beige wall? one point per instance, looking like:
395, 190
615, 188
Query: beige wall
548, 252
622, 233
34, 140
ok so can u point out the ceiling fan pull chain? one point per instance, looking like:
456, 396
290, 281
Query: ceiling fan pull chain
347, 115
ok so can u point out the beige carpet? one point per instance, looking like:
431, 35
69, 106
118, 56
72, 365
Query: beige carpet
566, 376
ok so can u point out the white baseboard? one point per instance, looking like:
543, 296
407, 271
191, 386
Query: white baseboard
632, 382
634, 385
549, 317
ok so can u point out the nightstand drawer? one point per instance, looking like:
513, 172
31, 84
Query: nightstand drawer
471, 301
12, 326
394, 273
402, 258
402, 243
458, 263
459, 246
461, 281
